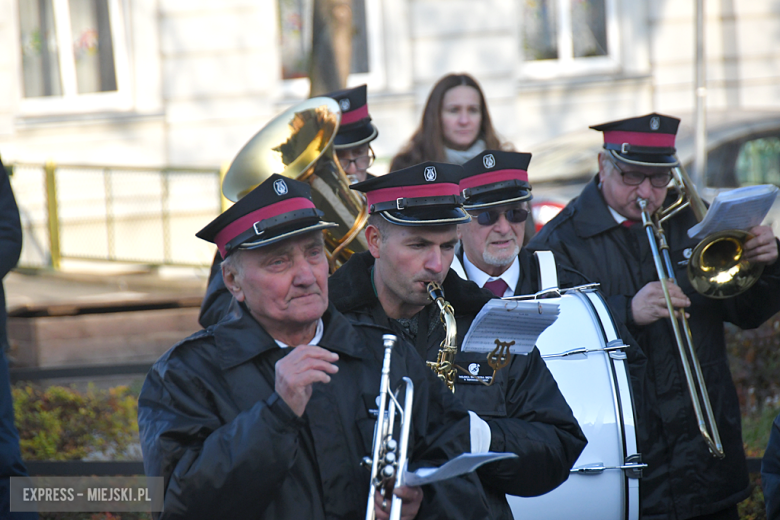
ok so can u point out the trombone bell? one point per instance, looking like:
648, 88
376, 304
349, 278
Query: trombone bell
717, 268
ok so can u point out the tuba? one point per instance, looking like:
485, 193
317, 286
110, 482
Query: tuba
716, 269
299, 144
388, 456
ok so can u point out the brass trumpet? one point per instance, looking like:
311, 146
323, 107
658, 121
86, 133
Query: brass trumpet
388, 460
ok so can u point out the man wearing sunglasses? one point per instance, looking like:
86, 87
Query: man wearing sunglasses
352, 142
601, 235
411, 236
496, 190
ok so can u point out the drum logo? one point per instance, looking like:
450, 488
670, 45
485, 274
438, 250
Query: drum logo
655, 123
430, 173
489, 161
474, 369
344, 104
280, 187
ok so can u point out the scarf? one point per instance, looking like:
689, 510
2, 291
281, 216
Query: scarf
461, 156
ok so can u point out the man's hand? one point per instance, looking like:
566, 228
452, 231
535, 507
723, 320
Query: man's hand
649, 304
411, 498
762, 248
298, 370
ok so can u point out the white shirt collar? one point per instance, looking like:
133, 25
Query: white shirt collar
511, 276
617, 216
315, 340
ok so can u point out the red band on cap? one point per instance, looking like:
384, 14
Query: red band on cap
354, 115
411, 192
490, 177
640, 139
246, 222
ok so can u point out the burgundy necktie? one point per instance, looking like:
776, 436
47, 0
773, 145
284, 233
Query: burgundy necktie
628, 223
497, 287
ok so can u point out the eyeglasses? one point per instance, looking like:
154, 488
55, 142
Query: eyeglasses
657, 180
490, 217
361, 163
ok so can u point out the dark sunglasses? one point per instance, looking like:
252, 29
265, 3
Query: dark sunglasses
490, 217
657, 180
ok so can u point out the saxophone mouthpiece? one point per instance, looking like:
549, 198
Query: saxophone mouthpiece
435, 291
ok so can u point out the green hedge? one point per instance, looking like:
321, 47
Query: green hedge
61, 423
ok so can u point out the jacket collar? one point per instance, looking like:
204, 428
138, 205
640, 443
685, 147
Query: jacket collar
240, 338
593, 216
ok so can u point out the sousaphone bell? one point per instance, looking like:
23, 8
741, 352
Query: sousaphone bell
299, 144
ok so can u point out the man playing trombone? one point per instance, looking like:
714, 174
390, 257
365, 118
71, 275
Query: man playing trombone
268, 413
411, 234
602, 234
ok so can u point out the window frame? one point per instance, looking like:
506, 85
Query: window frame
374, 78
71, 101
566, 64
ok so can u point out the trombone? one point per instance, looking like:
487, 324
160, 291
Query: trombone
716, 269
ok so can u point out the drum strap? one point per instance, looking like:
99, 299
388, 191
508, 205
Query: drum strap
548, 274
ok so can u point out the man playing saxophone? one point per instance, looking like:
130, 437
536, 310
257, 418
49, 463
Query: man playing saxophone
268, 413
601, 234
411, 235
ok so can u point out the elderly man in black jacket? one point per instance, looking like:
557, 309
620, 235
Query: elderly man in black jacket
601, 235
412, 233
268, 414
490, 253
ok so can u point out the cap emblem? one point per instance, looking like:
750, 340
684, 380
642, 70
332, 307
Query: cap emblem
280, 187
655, 123
489, 161
344, 104
430, 173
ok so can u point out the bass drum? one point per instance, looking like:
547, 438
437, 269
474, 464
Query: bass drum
585, 354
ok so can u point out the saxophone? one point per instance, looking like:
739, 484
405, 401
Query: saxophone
444, 366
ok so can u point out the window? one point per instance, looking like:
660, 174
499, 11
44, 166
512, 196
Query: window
295, 34
567, 36
69, 50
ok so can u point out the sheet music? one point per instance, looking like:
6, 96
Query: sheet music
741, 208
463, 463
521, 321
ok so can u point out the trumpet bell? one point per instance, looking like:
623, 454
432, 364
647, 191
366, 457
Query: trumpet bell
717, 268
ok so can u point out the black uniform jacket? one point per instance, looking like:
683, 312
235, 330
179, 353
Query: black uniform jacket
217, 299
525, 410
228, 446
10, 242
683, 479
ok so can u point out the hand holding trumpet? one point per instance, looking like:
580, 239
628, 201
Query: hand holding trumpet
411, 497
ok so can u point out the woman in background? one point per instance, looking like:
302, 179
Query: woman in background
455, 125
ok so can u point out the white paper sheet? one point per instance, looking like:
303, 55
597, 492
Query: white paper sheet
464, 463
521, 321
741, 208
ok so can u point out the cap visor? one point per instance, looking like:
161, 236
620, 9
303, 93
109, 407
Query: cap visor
289, 234
428, 216
500, 198
647, 159
356, 137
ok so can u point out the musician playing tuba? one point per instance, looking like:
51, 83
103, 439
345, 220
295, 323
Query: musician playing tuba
601, 235
268, 414
411, 237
